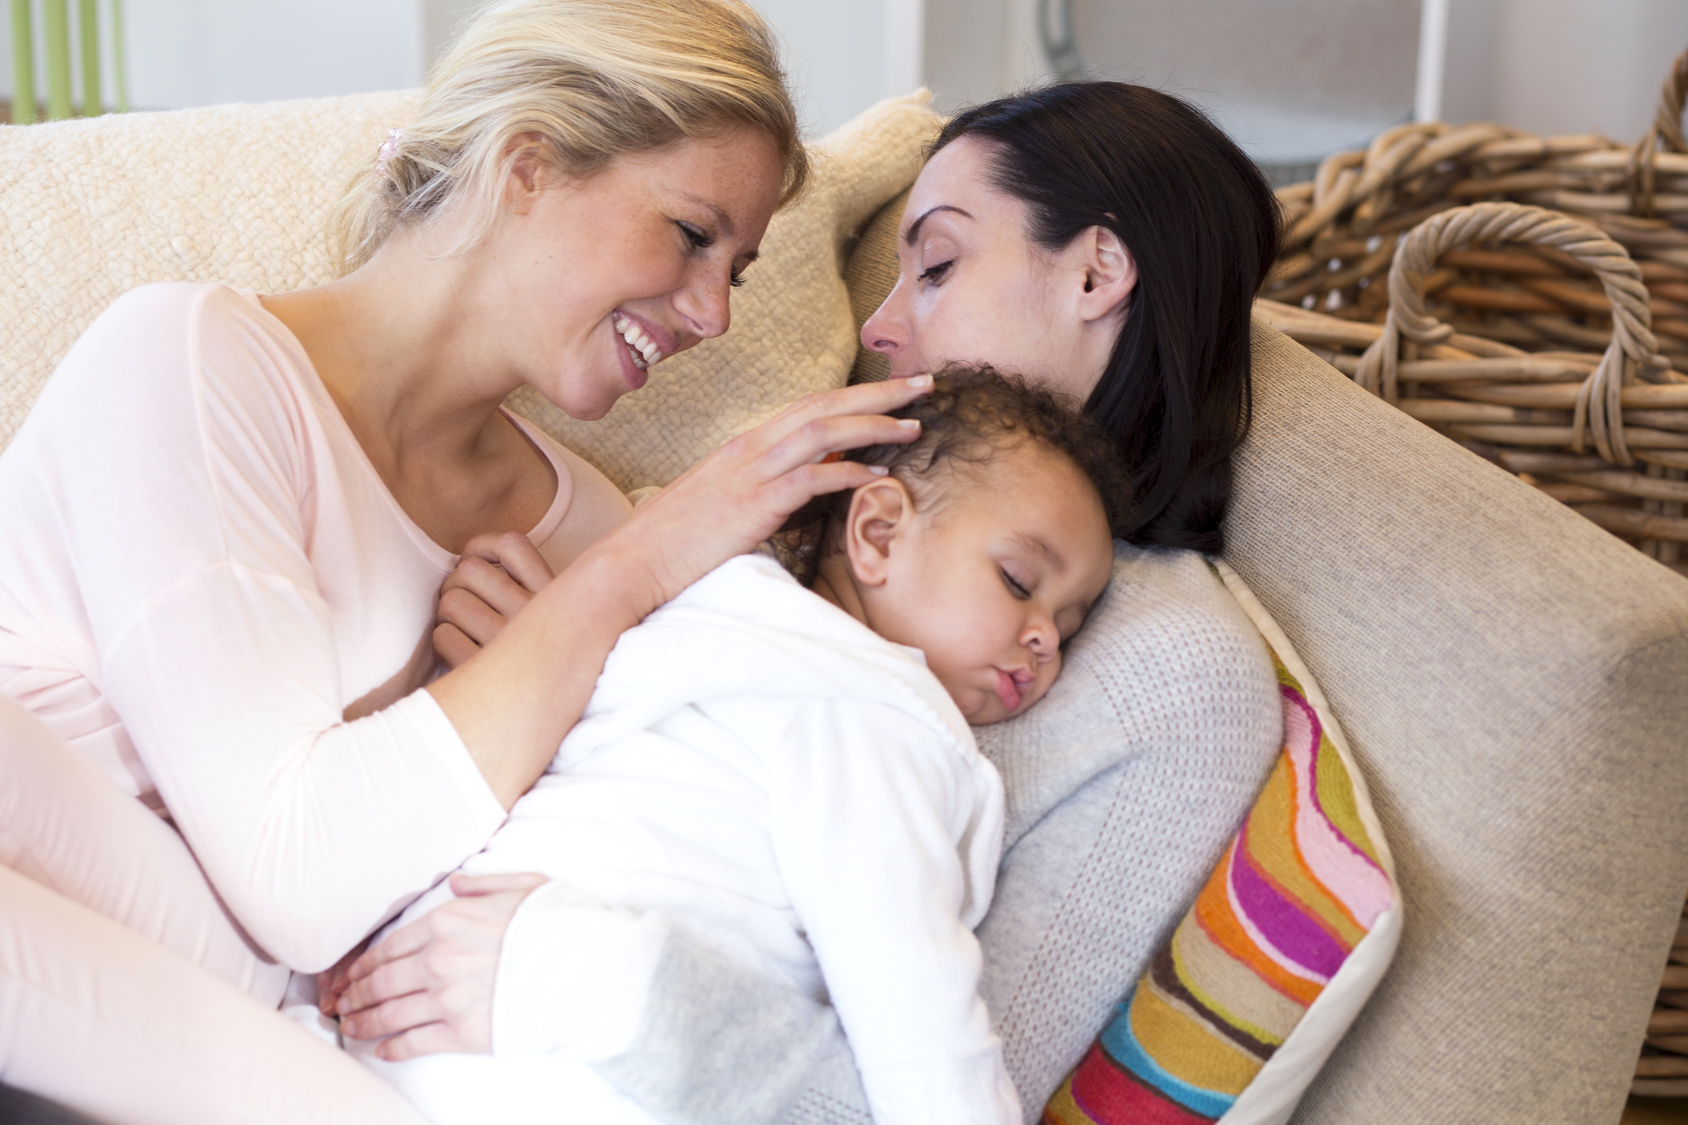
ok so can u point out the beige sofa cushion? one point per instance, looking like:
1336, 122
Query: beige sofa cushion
241, 194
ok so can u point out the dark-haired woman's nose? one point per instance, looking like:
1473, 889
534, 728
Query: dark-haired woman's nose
886, 331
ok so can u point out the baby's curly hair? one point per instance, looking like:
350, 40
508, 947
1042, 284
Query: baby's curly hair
973, 413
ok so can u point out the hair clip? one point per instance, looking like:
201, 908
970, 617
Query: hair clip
389, 147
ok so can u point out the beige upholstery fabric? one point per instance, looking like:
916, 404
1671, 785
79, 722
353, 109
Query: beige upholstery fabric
1512, 681
870, 273
89, 209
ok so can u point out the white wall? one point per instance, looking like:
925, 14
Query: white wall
1561, 66
1551, 66
834, 53
201, 52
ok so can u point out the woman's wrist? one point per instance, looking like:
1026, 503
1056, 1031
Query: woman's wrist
514, 700
617, 575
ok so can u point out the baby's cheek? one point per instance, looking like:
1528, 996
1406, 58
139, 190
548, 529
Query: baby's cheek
1047, 674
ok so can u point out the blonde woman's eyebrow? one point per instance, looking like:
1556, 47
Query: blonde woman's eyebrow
914, 228
723, 220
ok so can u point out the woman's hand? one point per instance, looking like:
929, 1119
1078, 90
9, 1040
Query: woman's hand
495, 578
735, 498
430, 984
514, 699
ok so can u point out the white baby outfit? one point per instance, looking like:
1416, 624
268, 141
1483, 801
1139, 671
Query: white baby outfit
756, 766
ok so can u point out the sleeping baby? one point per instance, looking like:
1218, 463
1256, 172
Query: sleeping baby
789, 773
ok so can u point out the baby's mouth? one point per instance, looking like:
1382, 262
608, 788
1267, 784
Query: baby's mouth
640, 347
1007, 690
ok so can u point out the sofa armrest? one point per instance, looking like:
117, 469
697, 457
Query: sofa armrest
1515, 685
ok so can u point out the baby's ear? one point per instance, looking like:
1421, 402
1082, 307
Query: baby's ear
878, 511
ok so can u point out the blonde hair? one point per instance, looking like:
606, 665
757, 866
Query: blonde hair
594, 79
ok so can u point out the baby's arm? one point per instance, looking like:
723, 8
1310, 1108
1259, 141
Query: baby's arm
877, 824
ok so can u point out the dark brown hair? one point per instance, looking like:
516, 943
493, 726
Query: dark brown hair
973, 413
1203, 226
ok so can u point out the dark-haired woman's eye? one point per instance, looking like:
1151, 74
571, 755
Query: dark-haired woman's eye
736, 280
1015, 587
935, 274
695, 235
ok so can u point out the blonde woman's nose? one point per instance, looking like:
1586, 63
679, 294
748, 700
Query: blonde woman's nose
707, 304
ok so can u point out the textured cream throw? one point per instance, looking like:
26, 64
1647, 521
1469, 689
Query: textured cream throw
242, 194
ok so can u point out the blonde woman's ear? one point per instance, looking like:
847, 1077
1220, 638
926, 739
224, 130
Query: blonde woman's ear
529, 172
878, 516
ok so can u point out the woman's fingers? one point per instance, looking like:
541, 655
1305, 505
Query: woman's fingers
515, 554
429, 1039
468, 886
810, 428
452, 645
494, 580
402, 977
491, 583
332, 983
472, 615
820, 437
394, 1016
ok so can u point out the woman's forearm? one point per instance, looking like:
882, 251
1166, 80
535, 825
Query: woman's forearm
514, 700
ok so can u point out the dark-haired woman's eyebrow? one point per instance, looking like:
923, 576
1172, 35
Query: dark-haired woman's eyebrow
913, 234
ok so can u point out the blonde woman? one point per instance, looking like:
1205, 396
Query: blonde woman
228, 516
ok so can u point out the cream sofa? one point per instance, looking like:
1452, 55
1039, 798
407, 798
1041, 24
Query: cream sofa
1513, 680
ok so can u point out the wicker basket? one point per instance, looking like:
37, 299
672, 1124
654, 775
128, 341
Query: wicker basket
1663, 1069
1545, 328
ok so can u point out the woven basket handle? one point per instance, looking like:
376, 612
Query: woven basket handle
1665, 132
1599, 408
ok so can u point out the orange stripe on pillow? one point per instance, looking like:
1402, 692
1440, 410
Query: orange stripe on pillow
1221, 924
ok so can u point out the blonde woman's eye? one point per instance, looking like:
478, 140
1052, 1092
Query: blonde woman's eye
695, 235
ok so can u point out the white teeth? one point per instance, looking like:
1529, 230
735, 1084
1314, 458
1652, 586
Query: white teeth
638, 341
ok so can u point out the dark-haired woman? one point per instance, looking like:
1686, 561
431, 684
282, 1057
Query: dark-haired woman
1106, 240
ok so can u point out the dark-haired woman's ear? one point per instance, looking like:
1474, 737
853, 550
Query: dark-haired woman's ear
1109, 271
878, 510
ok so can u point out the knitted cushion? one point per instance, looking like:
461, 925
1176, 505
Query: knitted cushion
1284, 943
241, 194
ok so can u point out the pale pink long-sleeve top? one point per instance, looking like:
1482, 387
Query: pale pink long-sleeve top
200, 572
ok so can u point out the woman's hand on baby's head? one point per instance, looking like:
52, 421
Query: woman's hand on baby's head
495, 577
738, 496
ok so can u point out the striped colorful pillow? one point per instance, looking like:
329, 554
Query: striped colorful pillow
1290, 935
